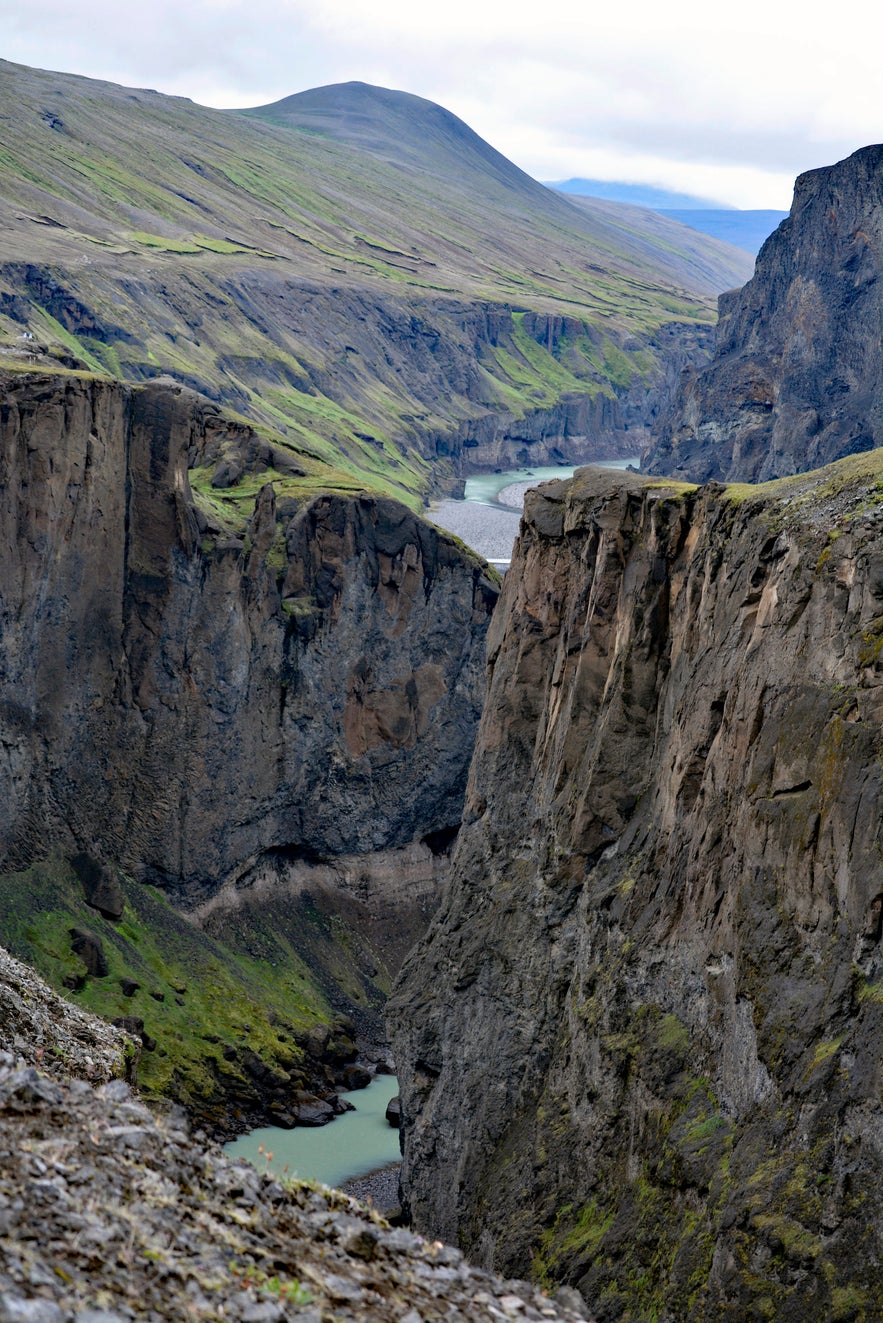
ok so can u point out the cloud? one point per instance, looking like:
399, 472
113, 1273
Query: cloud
684, 94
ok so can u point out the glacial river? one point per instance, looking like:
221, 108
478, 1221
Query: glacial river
488, 516
349, 1146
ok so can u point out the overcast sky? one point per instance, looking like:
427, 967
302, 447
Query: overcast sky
729, 102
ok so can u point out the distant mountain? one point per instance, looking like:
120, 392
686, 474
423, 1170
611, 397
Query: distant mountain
352, 268
637, 195
743, 229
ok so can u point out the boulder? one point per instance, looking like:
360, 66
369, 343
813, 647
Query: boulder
394, 1112
134, 1025
356, 1077
89, 948
311, 1110
101, 885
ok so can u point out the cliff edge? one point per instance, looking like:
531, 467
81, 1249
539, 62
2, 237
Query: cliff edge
640, 1045
795, 380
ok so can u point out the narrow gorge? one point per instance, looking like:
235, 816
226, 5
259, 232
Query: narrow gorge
268, 726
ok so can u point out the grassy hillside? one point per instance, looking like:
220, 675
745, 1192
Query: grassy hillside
341, 267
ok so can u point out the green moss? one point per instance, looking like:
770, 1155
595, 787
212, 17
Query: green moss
197, 996
824, 1051
575, 1234
794, 1239
849, 1303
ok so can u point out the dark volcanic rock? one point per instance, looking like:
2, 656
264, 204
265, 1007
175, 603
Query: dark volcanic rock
640, 1047
797, 377
101, 886
331, 663
90, 949
355, 1077
394, 1112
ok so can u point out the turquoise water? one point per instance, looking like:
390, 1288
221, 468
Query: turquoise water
485, 487
351, 1145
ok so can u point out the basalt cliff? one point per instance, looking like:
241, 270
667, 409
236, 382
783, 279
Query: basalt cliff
795, 381
268, 726
640, 1045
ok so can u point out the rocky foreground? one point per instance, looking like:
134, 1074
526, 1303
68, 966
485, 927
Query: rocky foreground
109, 1212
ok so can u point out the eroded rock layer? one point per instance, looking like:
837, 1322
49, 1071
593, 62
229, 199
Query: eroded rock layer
795, 381
640, 1046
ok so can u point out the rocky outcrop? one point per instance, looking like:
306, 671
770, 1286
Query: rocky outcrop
639, 1049
40, 1029
185, 703
795, 381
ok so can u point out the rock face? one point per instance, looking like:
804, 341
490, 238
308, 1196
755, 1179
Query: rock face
639, 1048
193, 707
795, 381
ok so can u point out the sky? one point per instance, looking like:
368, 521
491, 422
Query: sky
729, 102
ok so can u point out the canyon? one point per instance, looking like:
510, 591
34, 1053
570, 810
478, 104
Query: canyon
274, 749
267, 727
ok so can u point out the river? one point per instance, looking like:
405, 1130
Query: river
349, 1146
488, 516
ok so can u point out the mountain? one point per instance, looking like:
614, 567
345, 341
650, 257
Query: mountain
797, 376
640, 1046
301, 264
636, 195
743, 229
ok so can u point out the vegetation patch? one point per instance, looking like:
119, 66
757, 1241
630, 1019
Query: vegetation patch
202, 1001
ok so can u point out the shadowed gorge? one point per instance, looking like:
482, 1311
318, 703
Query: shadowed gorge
275, 724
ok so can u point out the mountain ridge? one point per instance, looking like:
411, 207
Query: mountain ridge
359, 311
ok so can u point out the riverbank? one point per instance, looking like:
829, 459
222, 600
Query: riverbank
380, 1188
489, 515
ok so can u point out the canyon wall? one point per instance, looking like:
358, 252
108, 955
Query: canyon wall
209, 709
640, 1044
795, 380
